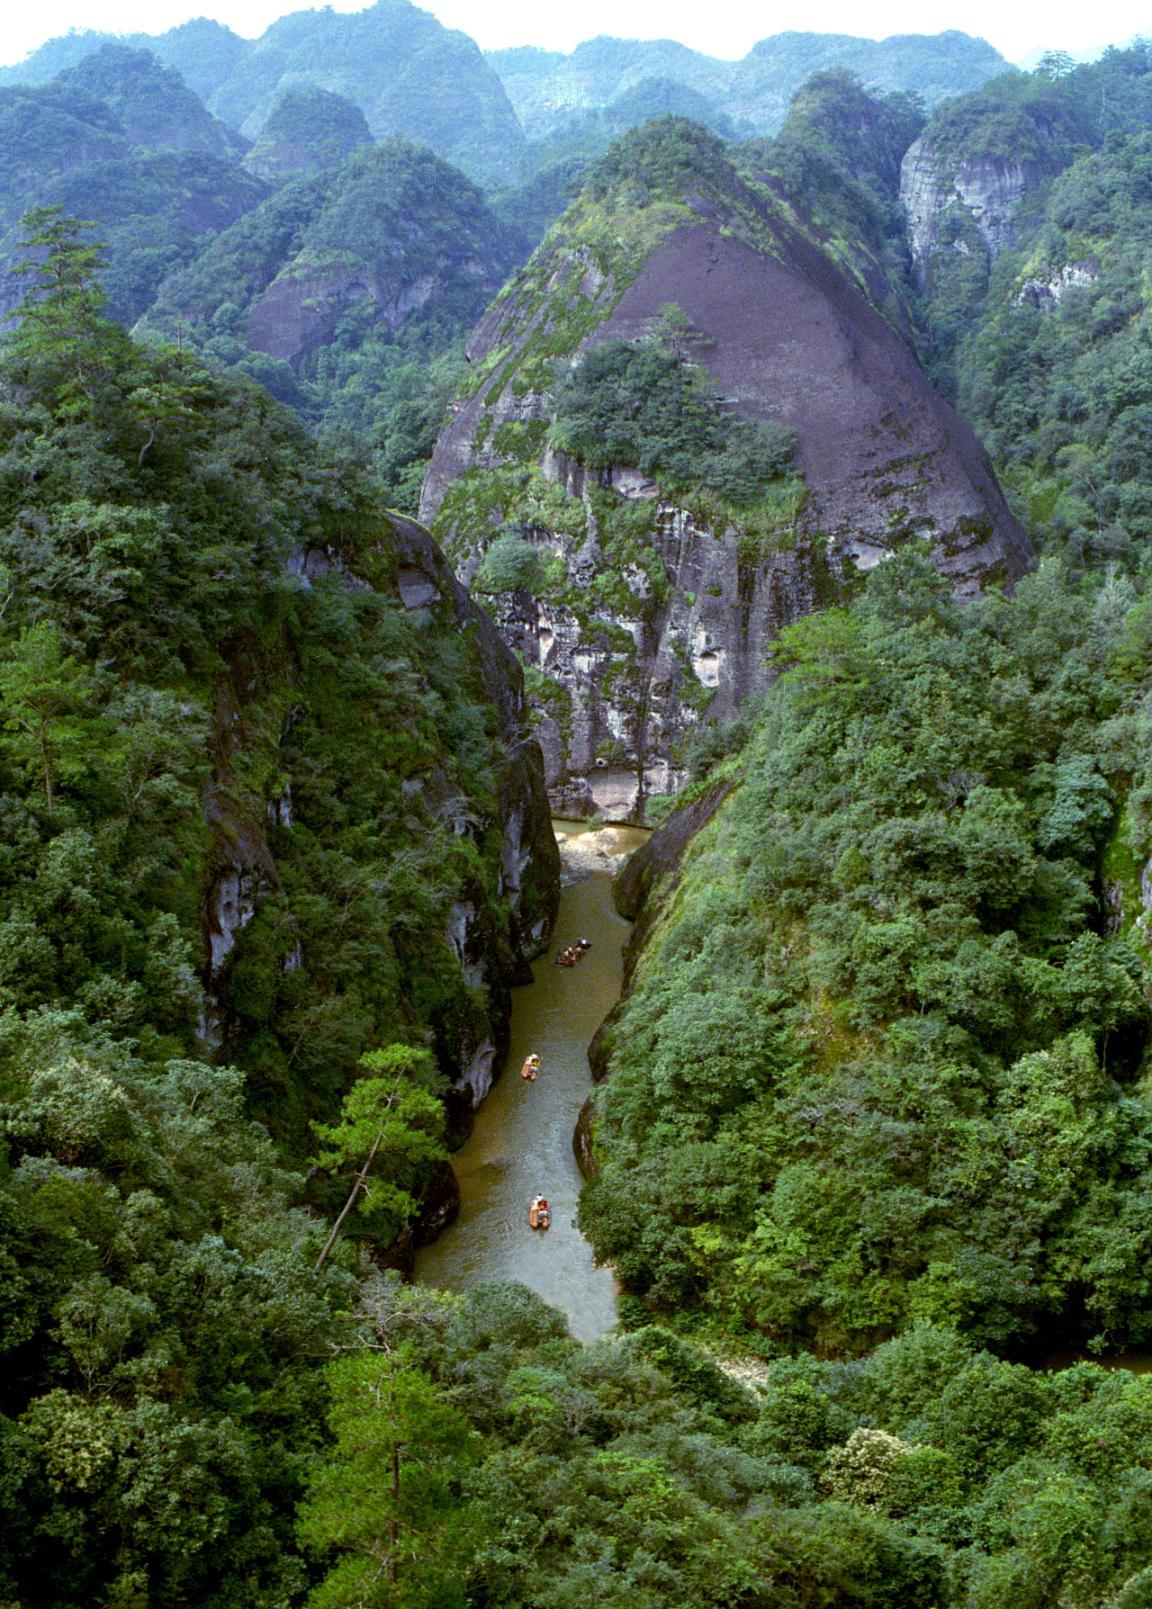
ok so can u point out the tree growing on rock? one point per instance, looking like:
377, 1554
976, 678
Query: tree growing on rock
390, 1122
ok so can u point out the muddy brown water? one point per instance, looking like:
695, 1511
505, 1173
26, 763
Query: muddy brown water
522, 1142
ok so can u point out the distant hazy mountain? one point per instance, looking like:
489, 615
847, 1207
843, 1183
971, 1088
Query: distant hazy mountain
155, 108
548, 87
149, 166
410, 75
309, 130
407, 73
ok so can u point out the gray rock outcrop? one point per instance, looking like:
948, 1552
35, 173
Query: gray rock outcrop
988, 190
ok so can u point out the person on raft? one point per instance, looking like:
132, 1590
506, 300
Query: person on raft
531, 1067
539, 1213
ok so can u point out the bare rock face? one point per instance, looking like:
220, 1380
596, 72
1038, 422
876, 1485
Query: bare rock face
1047, 291
629, 693
300, 311
884, 457
988, 189
684, 629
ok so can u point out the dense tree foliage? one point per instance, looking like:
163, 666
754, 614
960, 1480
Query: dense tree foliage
646, 404
880, 1062
878, 1113
206, 674
483, 1457
161, 1323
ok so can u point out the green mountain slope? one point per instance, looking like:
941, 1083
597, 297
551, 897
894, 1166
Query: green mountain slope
47, 132
343, 292
155, 205
308, 130
1041, 325
407, 73
154, 106
262, 768
880, 1060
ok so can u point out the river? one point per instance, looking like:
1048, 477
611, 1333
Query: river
522, 1142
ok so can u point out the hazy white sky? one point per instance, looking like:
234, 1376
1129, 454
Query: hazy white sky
720, 27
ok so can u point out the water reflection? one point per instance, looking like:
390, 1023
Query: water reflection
522, 1142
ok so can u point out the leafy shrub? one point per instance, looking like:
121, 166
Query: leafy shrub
642, 403
513, 565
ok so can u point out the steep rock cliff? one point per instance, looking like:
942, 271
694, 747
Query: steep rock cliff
972, 182
665, 606
498, 915
987, 190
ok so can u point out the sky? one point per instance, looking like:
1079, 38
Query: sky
725, 28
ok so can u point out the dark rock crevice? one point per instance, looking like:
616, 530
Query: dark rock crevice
786, 338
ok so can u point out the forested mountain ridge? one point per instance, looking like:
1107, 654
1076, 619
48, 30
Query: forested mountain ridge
269, 811
307, 131
340, 291
170, 1433
408, 74
683, 427
883, 1063
547, 87
161, 213
155, 108
937, 927
412, 76
122, 141
352, 275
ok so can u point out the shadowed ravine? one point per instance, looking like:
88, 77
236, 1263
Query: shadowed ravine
522, 1142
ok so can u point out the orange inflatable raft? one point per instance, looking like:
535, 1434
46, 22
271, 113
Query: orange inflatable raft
539, 1213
